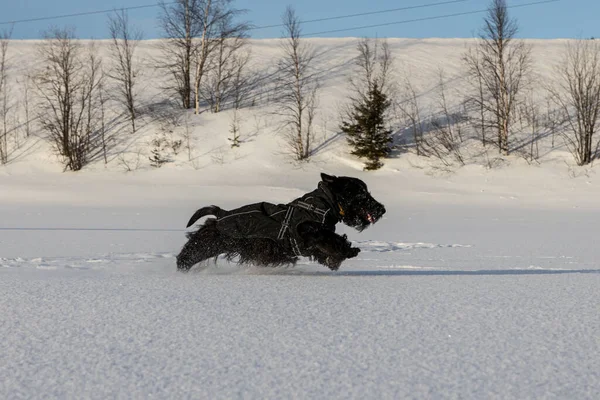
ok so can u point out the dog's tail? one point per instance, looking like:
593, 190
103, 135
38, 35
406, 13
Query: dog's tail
204, 211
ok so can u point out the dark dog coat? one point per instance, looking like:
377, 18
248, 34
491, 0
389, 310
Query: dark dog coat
280, 222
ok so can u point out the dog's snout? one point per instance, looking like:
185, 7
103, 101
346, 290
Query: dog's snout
376, 211
380, 210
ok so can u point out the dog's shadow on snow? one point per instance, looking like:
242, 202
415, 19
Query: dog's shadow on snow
429, 272
309, 270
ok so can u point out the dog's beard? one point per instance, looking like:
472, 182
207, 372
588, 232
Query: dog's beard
361, 220
362, 212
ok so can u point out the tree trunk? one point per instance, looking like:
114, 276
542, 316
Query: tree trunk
201, 57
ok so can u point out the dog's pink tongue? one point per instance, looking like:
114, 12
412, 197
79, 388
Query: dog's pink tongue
370, 218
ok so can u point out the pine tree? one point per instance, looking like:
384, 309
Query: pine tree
366, 130
158, 159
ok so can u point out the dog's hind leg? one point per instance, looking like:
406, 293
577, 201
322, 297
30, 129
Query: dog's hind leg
202, 245
191, 254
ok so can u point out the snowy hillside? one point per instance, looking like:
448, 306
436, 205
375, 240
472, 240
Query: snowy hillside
418, 61
478, 283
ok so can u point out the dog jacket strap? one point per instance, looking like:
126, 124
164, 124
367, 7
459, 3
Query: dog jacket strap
320, 212
295, 247
285, 225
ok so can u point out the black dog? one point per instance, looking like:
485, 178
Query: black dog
271, 235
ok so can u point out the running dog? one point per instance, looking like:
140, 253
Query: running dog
269, 234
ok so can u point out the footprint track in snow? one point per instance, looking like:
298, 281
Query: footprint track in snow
379, 246
82, 263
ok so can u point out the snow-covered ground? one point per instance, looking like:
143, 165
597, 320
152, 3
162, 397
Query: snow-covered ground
476, 284
450, 297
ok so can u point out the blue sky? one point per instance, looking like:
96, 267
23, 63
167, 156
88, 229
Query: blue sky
562, 19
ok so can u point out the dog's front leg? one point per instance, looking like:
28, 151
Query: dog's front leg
330, 248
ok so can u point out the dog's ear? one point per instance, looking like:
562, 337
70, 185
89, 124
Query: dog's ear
327, 178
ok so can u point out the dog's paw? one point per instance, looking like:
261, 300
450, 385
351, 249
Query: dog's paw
333, 263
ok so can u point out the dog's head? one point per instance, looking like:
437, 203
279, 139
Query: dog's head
357, 208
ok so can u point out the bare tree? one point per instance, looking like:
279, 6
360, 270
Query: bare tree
410, 110
445, 134
26, 103
553, 119
181, 25
375, 63
4, 95
124, 70
214, 15
498, 66
577, 93
477, 100
228, 61
242, 82
481, 108
530, 113
67, 89
102, 99
187, 135
206, 45
297, 88
94, 80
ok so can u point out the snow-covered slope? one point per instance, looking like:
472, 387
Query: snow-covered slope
476, 284
416, 60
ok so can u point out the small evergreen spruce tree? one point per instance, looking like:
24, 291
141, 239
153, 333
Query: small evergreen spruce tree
157, 159
366, 131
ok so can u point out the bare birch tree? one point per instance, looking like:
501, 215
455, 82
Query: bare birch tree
4, 96
445, 129
228, 61
477, 101
297, 88
375, 63
180, 25
499, 65
577, 93
66, 87
530, 113
242, 83
204, 50
124, 40
94, 99
102, 99
214, 14
410, 111
26, 88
